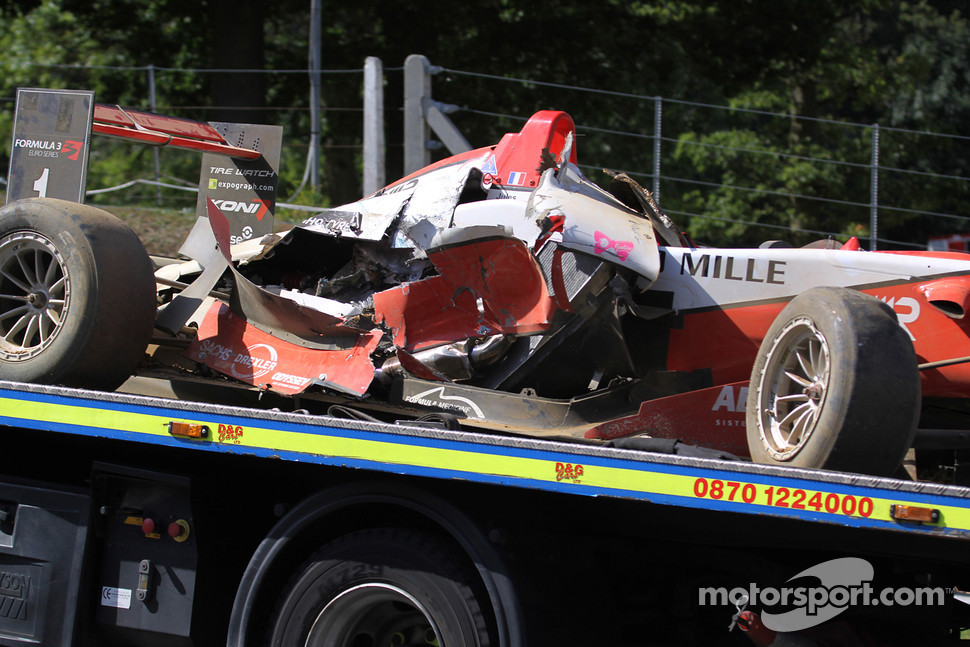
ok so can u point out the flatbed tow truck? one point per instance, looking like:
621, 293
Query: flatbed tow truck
140, 521
132, 518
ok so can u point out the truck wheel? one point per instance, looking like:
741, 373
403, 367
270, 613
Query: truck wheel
834, 386
381, 587
77, 295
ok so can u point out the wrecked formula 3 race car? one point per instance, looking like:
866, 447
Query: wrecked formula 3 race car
502, 290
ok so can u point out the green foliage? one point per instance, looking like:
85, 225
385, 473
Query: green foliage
809, 67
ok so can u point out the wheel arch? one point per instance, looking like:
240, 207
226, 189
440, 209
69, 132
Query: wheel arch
341, 509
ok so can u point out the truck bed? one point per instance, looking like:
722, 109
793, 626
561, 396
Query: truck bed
577, 469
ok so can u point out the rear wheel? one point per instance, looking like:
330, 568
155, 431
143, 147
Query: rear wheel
77, 295
382, 587
835, 385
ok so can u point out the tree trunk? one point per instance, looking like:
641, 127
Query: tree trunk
236, 39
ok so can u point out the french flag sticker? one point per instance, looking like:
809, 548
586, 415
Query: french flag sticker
516, 178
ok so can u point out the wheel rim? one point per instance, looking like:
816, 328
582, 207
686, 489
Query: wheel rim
373, 615
35, 295
794, 386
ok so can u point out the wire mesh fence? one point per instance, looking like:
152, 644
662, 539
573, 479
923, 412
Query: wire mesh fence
725, 172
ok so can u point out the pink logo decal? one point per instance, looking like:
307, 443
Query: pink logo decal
621, 248
73, 147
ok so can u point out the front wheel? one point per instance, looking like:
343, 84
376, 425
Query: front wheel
382, 587
835, 385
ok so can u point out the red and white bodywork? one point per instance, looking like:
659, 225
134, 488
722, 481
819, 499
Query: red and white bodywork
456, 274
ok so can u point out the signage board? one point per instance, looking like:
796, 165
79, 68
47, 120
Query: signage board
51, 139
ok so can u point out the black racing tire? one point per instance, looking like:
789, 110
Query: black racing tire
835, 385
381, 587
77, 295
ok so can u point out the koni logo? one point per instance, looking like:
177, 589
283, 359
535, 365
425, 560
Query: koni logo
257, 207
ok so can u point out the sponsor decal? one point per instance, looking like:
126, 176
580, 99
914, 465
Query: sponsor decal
69, 148
71, 145
257, 360
907, 311
727, 401
228, 344
397, 188
243, 190
337, 224
436, 398
243, 172
280, 378
257, 207
490, 167
715, 266
245, 234
39, 144
604, 243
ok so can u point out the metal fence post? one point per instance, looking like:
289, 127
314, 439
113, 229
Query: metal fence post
374, 155
314, 55
152, 102
417, 86
657, 121
874, 190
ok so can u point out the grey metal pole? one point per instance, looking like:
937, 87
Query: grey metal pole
417, 87
874, 189
316, 18
657, 121
158, 166
374, 151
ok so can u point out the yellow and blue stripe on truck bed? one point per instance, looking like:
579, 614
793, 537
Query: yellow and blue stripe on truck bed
578, 469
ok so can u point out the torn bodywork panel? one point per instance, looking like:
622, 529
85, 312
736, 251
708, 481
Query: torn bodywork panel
436, 272
488, 283
228, 344
593, 221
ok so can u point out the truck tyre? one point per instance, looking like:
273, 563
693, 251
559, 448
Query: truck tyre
381, 587
77, 295
835, 385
